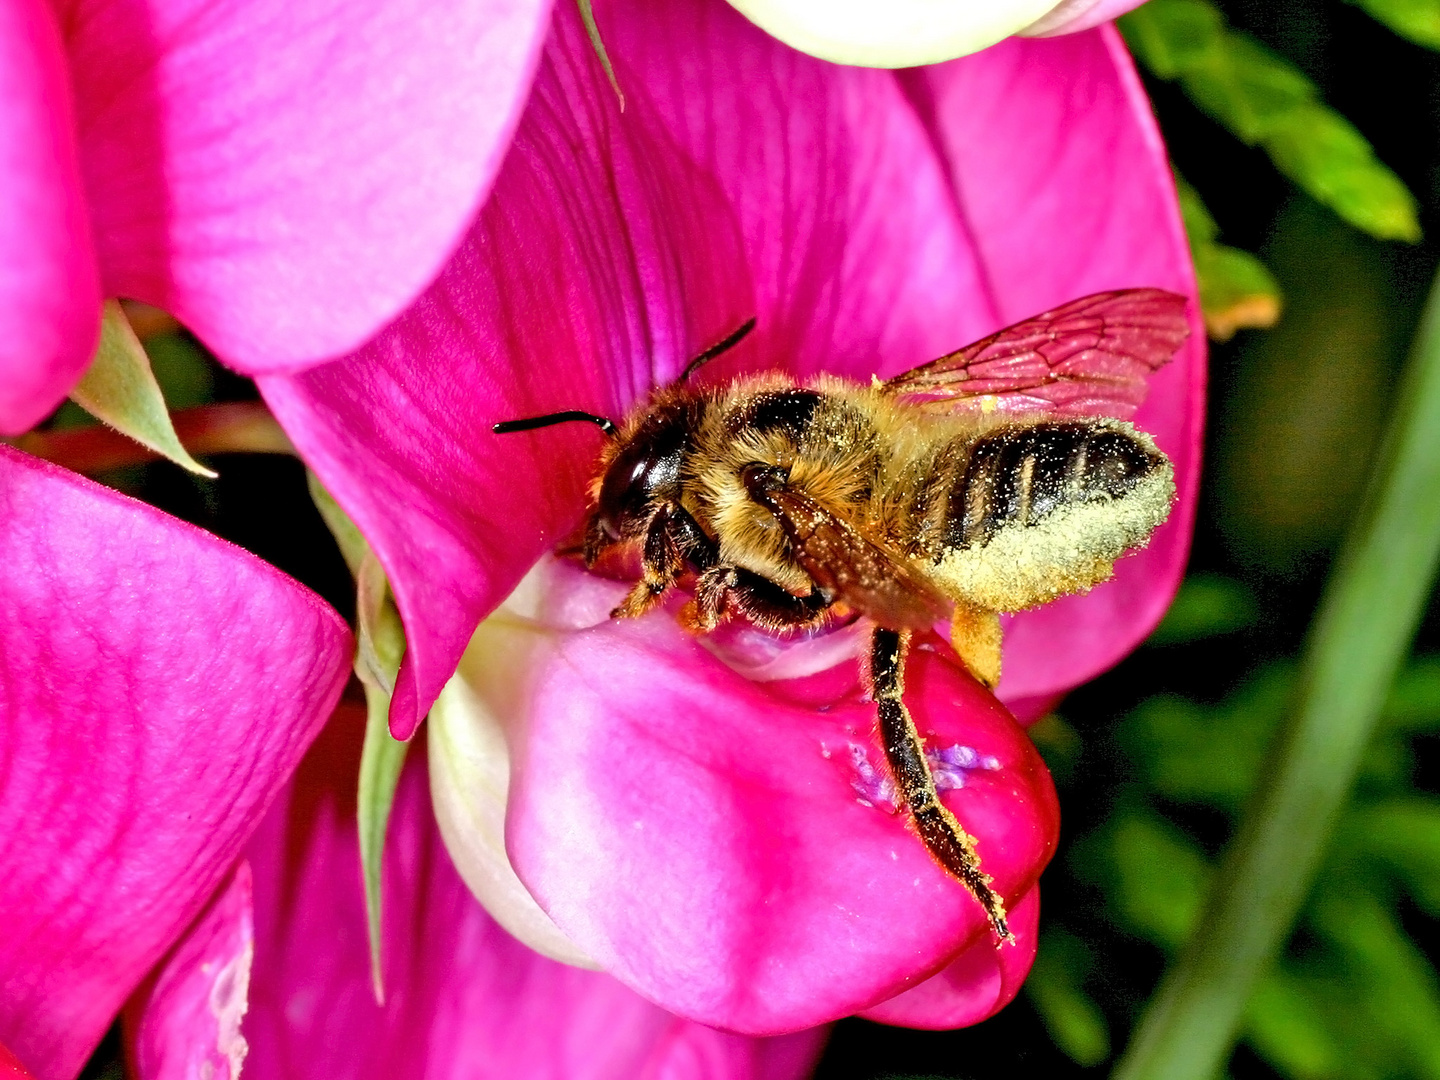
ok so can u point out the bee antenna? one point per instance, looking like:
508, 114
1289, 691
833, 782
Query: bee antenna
507, 427
715, 350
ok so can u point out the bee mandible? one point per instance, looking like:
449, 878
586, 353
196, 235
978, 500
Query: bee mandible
993, 479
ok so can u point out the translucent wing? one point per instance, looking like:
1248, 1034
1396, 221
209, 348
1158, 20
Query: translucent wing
1089, 357
847, 566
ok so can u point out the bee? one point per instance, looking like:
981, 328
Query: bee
993, 479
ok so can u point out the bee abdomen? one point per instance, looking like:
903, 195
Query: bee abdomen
1022, 475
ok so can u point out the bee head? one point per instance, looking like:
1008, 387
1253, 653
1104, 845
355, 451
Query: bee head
641, 474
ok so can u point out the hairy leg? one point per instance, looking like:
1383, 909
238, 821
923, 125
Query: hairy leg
672, 540
724, 591
952, 847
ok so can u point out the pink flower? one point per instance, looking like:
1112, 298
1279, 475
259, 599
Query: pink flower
463, 998
158, 688
683, 819
284, 178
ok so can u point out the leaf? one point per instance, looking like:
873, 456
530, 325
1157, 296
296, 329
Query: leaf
1416, 20
1414, 702
1386, 973
120, 389
1155, 876
1209, 754
1073, 1020
1207, 605
1289, 1028
1404, 835
1266, 101
1237, 291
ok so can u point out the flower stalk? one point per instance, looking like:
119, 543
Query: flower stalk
1367, 617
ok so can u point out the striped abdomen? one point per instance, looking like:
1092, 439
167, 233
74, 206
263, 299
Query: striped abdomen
1044, 509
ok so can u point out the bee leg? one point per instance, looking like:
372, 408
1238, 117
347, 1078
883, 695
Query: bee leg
661, 563
975, 637
723, 591
952, 847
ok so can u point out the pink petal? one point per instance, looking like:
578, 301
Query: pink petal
185, 1023
722, 845
575, 286
975, 985
49, 287
285, 178
157, 687
1062, 128
612, 249
464, 999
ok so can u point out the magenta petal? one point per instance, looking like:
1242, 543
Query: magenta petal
975, 985
286, 177
49, 288
464, 999
726, 847
601, 260
869, 225
1061, 127
612, 249
185, 1024
157, 687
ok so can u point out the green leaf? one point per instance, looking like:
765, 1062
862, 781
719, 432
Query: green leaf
1154, 876
1209, 754
1207, 605
1414, 702
120, 389
1417, 20
1387, 973
1073, 1020
1284, 1022
1403, 834
1237, 291
1266, 101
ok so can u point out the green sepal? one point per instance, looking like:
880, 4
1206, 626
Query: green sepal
1414, 20
119, 389
1266, 101
381, 760
353, 548
587, 16
380, 646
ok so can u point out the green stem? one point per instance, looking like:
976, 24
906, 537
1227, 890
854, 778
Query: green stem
1367, 617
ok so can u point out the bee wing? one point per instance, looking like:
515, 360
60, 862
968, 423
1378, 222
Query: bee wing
1089, 357
850, 568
